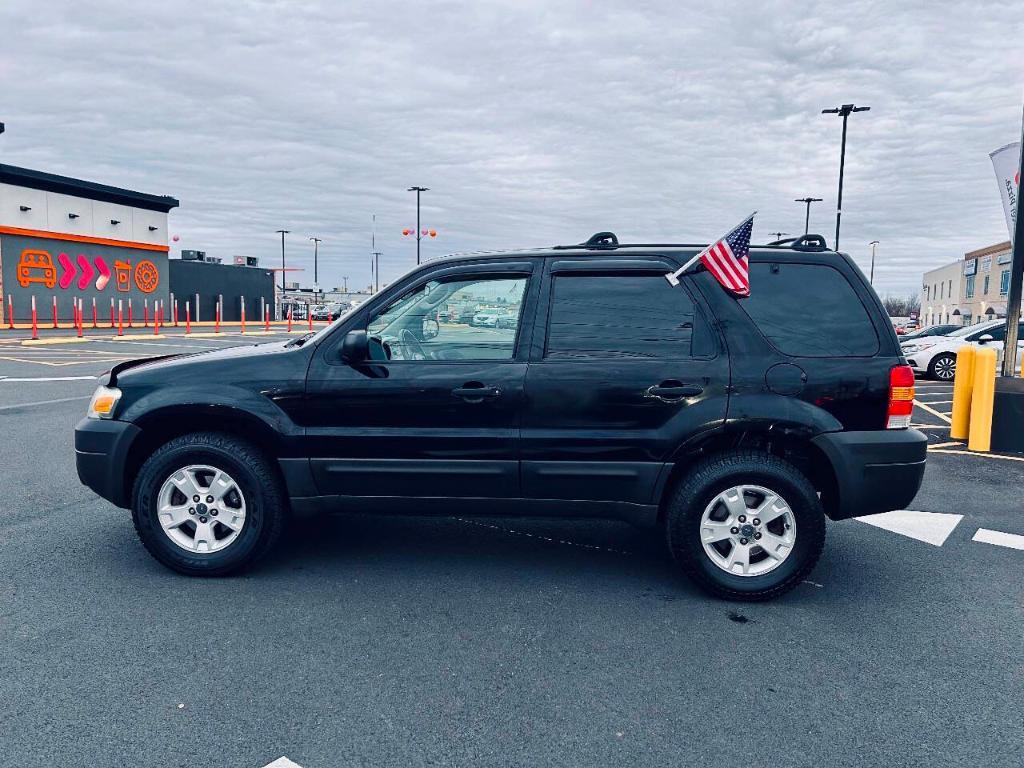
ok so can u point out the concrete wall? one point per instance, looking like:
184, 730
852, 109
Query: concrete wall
228, 280
49, 268
67, 214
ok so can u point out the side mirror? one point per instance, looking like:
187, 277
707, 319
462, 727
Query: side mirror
355, 347
430, 328
985, 338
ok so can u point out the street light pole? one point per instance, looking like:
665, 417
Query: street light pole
316, 253
844, 112
873, 244
345, 278
282, 232
1016, 274
778, 235
418, 190
376, 269
807, 217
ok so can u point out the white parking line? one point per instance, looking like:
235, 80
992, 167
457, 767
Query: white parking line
43, 402
8, 379
282, 762
1000, 539
933, 412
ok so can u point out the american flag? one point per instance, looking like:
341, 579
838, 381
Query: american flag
727, 259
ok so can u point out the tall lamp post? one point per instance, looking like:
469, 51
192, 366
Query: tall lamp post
280, 305
345, 279
418, 190
871, 278
778, 235
316, 254
807, 216
376, 270
844, 112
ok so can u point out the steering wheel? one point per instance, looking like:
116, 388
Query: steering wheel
411, 347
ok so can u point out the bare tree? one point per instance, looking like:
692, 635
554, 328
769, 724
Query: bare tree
901, 306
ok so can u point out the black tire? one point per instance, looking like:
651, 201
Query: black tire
266, 503
942, 367
712, 476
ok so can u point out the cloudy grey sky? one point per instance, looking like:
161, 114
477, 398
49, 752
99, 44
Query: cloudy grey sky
532, 122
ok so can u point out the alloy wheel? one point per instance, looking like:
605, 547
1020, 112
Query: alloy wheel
748, 530
201, 508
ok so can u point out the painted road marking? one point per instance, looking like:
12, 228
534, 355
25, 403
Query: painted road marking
43, 402
8, 379
977, 454
933, 412
944, 445
930, 527
282, 762
1000, 539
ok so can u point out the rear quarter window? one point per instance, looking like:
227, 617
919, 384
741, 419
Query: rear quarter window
809, 310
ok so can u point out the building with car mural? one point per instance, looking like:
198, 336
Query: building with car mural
63, 239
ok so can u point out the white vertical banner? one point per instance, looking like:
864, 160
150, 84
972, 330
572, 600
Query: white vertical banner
1006, 163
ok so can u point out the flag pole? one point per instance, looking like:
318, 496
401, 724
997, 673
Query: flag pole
673, 277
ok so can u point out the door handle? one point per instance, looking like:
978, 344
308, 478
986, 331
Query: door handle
475, 392
671, 391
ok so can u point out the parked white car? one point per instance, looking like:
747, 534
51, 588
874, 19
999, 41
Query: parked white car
935, 356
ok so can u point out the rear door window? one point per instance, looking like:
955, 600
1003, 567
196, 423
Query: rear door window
636, 316
809, 310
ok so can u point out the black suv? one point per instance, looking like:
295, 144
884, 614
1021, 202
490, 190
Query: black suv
734, 425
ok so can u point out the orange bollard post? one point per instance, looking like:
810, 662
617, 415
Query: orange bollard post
156, 318
79, 311
95, 323
289, 319
54, 311
130, 318
112, 323
175, 313
120, 318
35, 324
243, 314
216, 320
10, 311
145, 313
266, 319
309, 316
188, 319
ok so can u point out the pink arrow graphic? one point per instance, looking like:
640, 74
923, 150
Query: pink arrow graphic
69, 271
87, 272
104, 270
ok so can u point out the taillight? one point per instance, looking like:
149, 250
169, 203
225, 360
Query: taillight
901, 397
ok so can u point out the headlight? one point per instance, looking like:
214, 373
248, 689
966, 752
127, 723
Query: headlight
103, 402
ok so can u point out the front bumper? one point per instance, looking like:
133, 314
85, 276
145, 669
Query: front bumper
876, 471
101, 456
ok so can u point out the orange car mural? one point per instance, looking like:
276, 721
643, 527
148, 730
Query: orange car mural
36, 267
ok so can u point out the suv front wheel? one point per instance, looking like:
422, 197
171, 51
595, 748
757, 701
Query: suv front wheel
745, 525
207, 504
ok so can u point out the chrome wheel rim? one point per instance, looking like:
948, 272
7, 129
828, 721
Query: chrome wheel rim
201, 509
748, 530
945, 367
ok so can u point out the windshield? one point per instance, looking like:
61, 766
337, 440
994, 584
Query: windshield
966, 330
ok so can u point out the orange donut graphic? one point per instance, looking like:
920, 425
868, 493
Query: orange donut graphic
146, 276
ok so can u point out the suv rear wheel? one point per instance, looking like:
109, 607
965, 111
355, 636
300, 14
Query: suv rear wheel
207, 504
745, 525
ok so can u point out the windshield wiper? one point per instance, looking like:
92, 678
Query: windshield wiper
298, 342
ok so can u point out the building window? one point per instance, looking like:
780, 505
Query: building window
942, 289
1004, 282
984, 291
927, 293
986, 264
969, 287
950, 291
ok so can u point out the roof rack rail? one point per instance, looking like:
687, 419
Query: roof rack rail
803, 243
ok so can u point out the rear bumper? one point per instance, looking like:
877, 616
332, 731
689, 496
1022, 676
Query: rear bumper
876, 471
101, 455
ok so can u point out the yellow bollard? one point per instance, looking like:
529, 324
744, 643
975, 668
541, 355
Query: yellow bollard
963, 384
980, 438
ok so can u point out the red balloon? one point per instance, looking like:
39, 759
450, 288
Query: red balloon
175, 238
433, 233
405, 231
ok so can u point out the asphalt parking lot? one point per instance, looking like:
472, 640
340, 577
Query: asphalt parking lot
401, 641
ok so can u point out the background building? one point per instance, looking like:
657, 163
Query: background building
200, 283
940, 295
65, 239
986, 283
